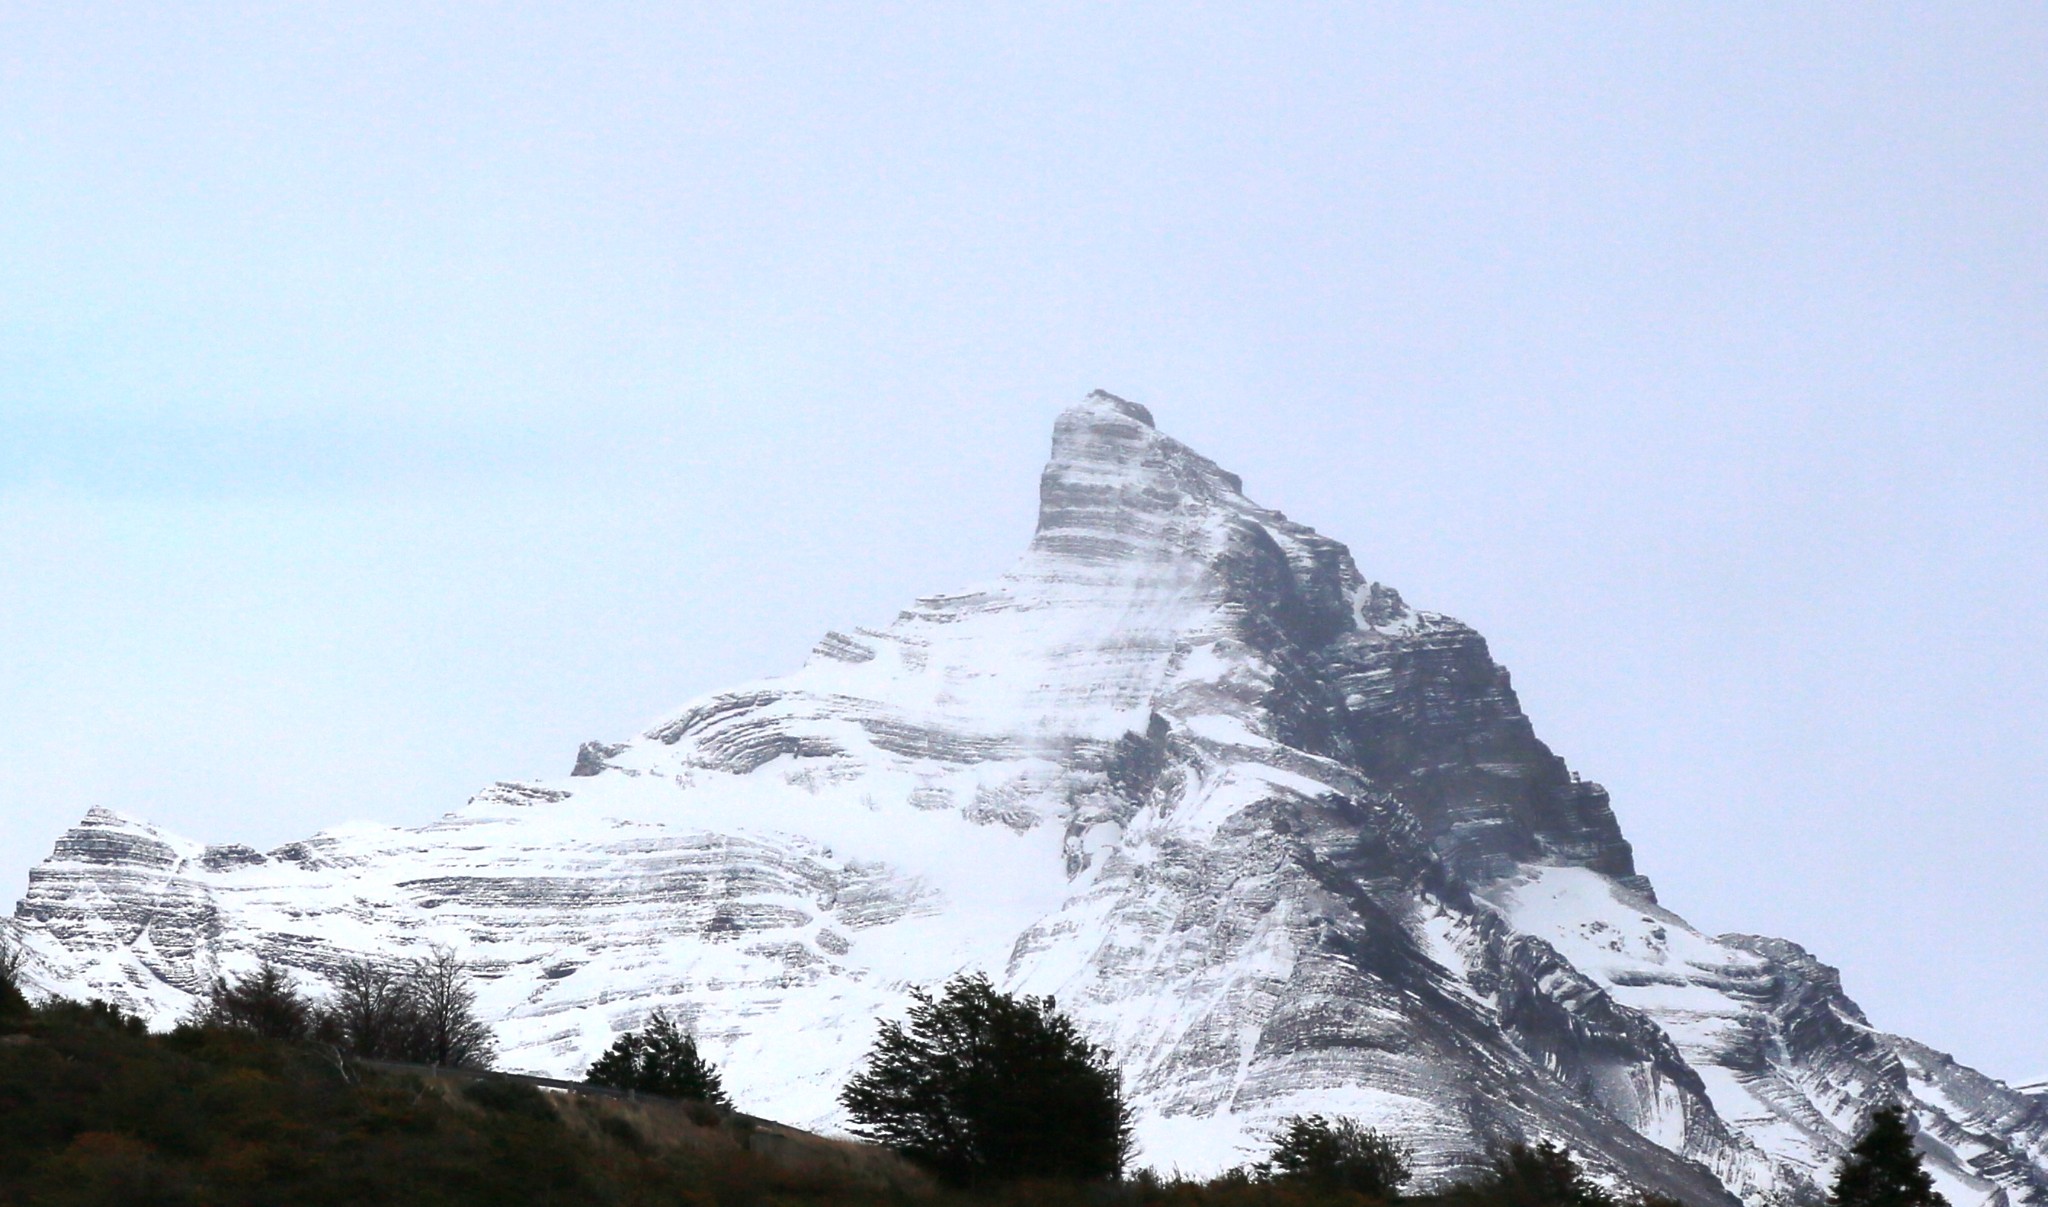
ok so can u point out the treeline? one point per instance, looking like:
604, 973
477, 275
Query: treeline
95, 1111
422, 1011
976, 1097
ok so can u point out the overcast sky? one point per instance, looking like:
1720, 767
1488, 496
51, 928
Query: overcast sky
393, 397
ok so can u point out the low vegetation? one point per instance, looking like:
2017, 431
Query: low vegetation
422, 1011
1336, 1155
982, 1087
96, 1110
258, 1098
661, 1058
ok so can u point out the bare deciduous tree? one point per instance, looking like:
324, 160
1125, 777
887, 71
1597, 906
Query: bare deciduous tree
371, 1011
449, 1031
423, 1012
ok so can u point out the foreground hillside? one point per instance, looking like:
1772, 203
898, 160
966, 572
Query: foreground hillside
95, 1110
1281, 842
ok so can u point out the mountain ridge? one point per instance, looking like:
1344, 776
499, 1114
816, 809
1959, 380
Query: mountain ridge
1280, 840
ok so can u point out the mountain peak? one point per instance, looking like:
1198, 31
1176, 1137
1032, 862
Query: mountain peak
1281, 843
1117, 490
1103, 399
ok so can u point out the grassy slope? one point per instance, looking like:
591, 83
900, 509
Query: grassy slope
94, 1111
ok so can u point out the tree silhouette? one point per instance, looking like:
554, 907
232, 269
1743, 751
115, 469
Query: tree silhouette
12, 1000
982, 1086
662, 1059
371, 1011
423, 1012
1883, 1168
265, 1002
1542, 1176
447, 1029
1337, 1155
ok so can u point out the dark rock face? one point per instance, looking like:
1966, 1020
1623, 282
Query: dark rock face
1434, 720
136, 902
591, 756
1411, 700
1282, 842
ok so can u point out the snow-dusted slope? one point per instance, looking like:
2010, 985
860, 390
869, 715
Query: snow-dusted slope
1282, 842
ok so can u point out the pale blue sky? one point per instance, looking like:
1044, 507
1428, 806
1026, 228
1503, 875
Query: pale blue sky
392, 397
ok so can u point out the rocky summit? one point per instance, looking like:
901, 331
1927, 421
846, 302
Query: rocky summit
1280, 841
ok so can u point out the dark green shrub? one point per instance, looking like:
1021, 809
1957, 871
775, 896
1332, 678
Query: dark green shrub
97, 1014
661, 1058
986, 1087
510, 1097
1543, 1176
1337, 1154
13, 1003
622, 1130
265, 1002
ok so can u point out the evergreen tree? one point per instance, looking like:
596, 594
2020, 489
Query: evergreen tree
983, 1086
661, 1059
619, 1067
266, 1002
1337, 1155
1543, 1176
12, 1001
1883, 1169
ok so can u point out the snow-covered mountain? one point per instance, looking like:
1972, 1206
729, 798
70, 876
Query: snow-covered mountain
1282, 842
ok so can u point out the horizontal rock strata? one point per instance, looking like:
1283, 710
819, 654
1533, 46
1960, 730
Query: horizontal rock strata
1282, 842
